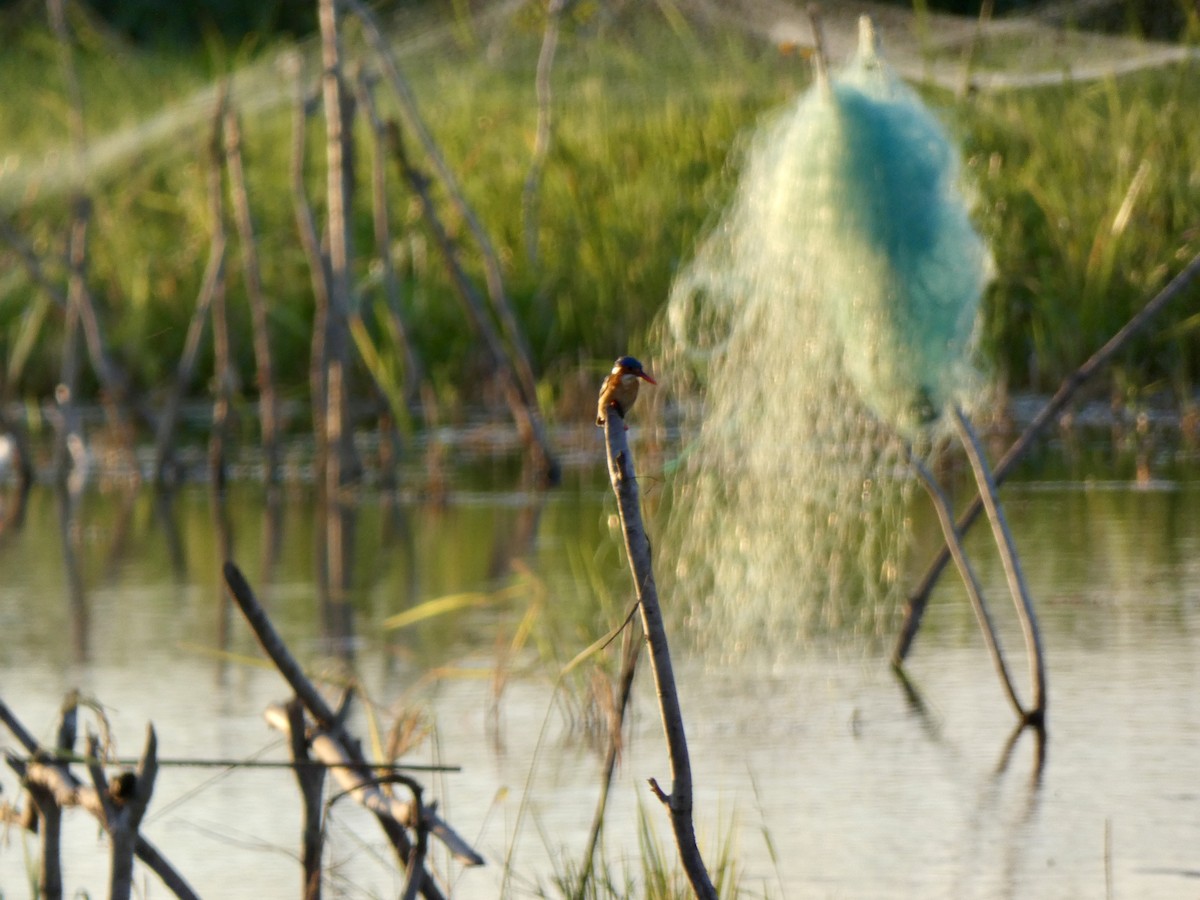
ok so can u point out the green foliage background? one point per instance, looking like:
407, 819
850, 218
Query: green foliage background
649, 110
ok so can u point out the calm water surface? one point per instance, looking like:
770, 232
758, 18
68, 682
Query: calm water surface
813, 767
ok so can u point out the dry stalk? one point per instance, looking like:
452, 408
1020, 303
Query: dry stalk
222, 357
240, 198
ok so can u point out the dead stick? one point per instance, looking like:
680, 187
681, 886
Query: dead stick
276, 649
941, 506
59, 779
312, 782
327, 719
637, 545
50, 885
222, 355
67, 785
244, 222
340, 459
1012, 566
214, 276
318, 261
919, 598
417, 864
356, 779
125, 805
522, 366
526, 415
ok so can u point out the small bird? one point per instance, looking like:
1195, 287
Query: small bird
620, 388
123, 787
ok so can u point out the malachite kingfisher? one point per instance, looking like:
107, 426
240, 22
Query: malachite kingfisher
620, 388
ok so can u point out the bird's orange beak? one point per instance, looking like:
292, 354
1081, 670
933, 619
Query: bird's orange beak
645, 376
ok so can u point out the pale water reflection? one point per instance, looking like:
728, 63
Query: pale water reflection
828, 779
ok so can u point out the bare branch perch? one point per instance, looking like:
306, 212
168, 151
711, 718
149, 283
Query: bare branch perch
637, 545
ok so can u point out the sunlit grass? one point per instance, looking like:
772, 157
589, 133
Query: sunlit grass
1089, 194
656, 874
1091, 198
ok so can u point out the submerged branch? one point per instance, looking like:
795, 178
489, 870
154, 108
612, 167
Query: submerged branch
1011, 563
58, 778
919, 598
945, 516
348, 754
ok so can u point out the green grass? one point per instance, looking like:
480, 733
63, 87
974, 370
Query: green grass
648, 113
1091, 199
657, 874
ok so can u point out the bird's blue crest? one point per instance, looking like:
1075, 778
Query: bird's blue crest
628, 362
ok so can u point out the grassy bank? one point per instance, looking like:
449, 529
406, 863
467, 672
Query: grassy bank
1089, 194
